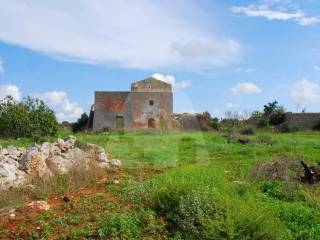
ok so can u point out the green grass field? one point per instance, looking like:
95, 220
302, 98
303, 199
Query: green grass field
192, 185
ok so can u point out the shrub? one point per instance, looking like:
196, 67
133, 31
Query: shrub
302, 222
274, 113
215, 124
317, 126
287, 128
28, 118
278, 117
206, 214
247, 131
81, 123
130, 225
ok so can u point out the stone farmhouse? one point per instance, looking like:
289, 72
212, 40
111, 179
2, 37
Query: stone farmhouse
149, 104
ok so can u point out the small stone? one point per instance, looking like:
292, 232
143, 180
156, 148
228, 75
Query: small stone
103, 180
66, 199
115, 163
116, 182
39, 205
12, 216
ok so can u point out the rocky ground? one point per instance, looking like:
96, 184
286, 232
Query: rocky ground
18, 165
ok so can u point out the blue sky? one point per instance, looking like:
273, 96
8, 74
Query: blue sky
219, 55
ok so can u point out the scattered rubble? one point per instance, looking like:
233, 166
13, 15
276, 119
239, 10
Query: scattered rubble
17, 164
38, 205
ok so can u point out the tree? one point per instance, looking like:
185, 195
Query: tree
232, 118
28, 118
81, 123
273, 113
269, 109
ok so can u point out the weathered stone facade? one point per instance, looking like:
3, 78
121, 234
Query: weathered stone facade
303, 120
148, 105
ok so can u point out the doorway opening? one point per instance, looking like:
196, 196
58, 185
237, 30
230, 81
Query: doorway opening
151, 123
119, 122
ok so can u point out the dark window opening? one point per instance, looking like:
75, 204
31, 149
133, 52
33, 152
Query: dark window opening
151, 102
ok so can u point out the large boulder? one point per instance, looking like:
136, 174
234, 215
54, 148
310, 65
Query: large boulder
98, 154
16, 164
95, 152
63, 163
12, 152
49, 149
66, 144
33, 163
10, 174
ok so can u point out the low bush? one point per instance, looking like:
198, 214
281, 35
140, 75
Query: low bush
302, 222
198, 204
287, 128
136, 224
248, 131
206, 214
215, 124
317, 126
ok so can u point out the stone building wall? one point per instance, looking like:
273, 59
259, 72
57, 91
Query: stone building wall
152, 105
303, 120
109, 106
151, 85
148, 105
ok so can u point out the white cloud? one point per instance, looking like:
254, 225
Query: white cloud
246, 88
63, 107
305, 91
183, 84
190, 111
282, 14
316, 68
172, 80
136, 34
246, 70
12, 90
1, 67
232, 105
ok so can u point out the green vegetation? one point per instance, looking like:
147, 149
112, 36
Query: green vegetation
27, 118
191, 185
81, 124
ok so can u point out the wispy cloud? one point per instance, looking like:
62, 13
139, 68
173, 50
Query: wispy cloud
316, 68
172, 80
245, 88
232, 105
245, 70
133, 34
282, 14
305, 91
1, 67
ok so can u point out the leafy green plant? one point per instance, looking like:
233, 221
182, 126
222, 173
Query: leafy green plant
130, 225
28, 118
214, 123
274, 113
248, 131
287, 128
81, 124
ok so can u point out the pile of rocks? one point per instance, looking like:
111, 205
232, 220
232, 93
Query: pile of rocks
16, 164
